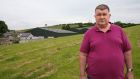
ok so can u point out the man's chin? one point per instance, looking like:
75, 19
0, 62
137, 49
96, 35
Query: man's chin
102, 24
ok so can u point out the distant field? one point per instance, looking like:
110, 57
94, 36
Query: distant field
85, 25
55, 58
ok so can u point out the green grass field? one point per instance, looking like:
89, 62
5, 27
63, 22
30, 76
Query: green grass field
55, 58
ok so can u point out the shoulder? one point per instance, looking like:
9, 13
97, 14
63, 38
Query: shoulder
119, 30
117, 27
90, 30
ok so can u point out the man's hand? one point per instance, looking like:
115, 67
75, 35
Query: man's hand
83, 77
129, 75
128, 61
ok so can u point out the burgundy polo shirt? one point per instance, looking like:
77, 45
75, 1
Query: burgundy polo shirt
105, 52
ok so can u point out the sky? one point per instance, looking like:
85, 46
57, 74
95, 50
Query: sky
25, 14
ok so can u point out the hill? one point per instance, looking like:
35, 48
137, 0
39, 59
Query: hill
60, 26
72, 25
55, 58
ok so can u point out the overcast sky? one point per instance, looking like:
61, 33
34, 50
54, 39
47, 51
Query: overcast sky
24, 14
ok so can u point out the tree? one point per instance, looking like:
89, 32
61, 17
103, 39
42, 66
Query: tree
3, 28
119, 23
66, 26
80, 25
63, 26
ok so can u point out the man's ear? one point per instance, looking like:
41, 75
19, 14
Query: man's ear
94, 16
110, 15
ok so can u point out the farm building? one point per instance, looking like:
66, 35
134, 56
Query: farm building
46, 32
25, 37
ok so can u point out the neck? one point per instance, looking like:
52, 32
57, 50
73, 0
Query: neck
104, 28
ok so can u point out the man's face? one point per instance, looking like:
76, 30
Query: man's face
102, 17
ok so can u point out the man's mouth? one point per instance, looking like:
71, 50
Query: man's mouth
101, 21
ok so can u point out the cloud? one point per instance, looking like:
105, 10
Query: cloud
36, 13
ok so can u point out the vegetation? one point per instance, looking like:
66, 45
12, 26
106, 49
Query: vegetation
82, 25
71, 25
66, 26
124, 25
3, 28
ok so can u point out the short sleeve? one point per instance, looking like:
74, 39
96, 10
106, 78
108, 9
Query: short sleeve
85, 45
126, 42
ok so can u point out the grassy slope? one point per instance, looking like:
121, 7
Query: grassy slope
41, 59
52, 58
134, 37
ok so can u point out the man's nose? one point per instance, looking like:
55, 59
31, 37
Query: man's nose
102, 16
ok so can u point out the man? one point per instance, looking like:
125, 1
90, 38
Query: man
105, 49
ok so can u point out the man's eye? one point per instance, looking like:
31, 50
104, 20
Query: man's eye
98, 14
104, 14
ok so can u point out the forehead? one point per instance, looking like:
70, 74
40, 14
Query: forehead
101, 11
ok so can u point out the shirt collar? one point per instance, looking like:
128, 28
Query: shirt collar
97, 29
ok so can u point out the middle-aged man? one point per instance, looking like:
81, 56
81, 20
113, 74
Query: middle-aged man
105, 49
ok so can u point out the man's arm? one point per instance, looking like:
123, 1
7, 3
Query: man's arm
83, 57
128, 59
128, 62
